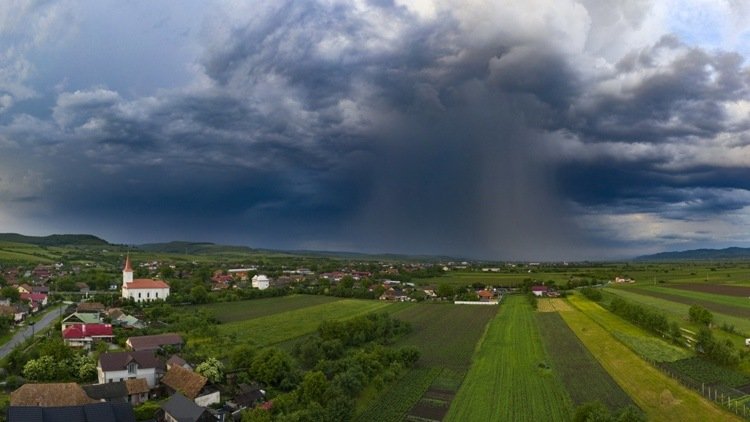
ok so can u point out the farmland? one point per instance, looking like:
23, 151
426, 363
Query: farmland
506, 381
242, 310
659, 396
723, 304
458, 328
275, 328
582, 375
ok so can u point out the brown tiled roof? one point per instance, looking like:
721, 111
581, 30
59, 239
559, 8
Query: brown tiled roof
90, 307
137, 386
176, 361
119, 361
185, 381
49, 395
154, 342
146, 283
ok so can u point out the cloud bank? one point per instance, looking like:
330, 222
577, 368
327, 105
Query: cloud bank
520, 130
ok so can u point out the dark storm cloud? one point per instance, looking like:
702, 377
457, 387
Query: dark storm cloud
370, 127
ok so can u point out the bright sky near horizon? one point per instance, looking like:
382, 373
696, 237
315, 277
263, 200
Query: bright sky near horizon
534, 129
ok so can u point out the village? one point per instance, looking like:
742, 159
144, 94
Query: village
117, 371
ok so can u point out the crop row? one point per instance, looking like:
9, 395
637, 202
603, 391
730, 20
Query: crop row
707, 372
582, 375
506, 381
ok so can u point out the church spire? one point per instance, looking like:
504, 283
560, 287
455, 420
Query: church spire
127, 272
127, 268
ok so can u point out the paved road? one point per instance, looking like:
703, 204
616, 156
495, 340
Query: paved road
27, 330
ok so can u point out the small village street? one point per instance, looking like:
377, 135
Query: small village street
28, 330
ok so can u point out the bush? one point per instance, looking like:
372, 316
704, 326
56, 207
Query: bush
592, 294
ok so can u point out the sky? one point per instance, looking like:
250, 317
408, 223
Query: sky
513, 130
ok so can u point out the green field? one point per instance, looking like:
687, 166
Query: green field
446, 336
271, 329
506, 381
580, 372
640, 341
659, 396
226, 312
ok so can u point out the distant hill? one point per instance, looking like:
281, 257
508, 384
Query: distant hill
54, 240
193, 248
728, 254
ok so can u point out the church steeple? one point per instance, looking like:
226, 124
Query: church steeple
127, 272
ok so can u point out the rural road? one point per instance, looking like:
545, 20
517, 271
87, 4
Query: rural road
25, 333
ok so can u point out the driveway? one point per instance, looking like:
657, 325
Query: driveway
27, 330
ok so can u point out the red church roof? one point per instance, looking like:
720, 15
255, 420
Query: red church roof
146, 283
127, 268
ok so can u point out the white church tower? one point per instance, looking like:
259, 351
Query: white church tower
127, 272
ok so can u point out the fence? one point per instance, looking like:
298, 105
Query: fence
727, 397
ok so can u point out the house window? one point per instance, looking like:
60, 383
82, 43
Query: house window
132, 368
157, 294
139, 295
148, 294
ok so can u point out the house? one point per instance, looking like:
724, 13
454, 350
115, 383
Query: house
40, 289
38, 300
120, 366
154, 342
142, 290
260, 281
80, 318
90, 307
138, 390
93, 412
191, 384
248, 396
178, 361
111, 391
83, 335
485, 295
83, 288
14, 312
539, 291
181, 409
49, 395
25, 288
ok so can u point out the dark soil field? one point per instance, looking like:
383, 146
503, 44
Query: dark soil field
719, 289
711, 306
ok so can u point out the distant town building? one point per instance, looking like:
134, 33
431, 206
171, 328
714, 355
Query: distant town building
261, 282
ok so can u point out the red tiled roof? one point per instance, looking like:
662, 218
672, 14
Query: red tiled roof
78, 331
36, 297
127, 268
146, 283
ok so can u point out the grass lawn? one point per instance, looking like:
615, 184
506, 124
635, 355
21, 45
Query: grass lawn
659, 396
506, 382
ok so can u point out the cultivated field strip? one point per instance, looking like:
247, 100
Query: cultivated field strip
280, 327
660, 397
506, 381
674, 309
582, 375
711, 302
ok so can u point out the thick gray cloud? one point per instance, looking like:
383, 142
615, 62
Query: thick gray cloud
485, 130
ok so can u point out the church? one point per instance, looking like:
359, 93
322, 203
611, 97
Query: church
142, 289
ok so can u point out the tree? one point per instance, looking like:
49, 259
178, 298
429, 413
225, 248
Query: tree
700, 315
199, 294
593, 411
445, 290
212, 369
314, 388
11, 293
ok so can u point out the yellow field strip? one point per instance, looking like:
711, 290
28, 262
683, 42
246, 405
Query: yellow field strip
660, 397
